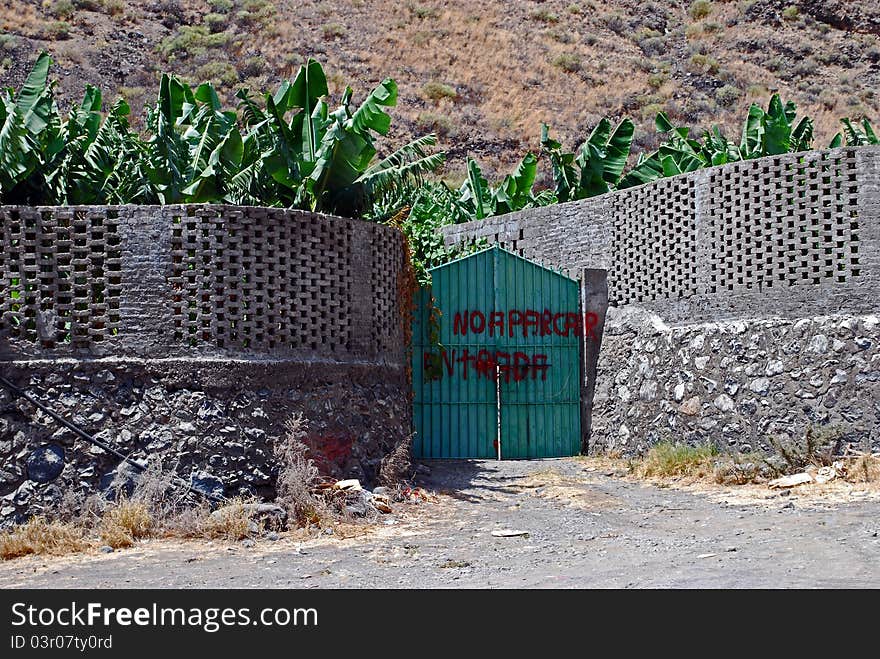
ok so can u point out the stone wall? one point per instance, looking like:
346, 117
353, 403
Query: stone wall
212, 420
193, 333
736, 383
787, 235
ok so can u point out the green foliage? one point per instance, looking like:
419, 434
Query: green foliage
7, 41
596, 167
63, 9
727, 95
854, 135
433, 206
436, 123
705, 64
219, 73
221, 6
56, 30
477, 199
333, 31
253, 66
436, 91
215, 22
544, 16
669, 459
569, 62
293, 150
191, 40
766, 132
44, 160
114, 7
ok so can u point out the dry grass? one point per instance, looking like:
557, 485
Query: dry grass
568, 490
233, 521
744, 476
299, 477
125, 523
741, 469
188, 523
672, 460
396, 467
161, 507
864, 469
39, 536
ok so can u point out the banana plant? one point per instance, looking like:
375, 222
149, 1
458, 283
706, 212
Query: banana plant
432, 206
392, 181
101, 160
598, 164
772, 132
29, 128
516, 190
765, 133
478, 199
678, 154
853, 135
323, 160
196, 146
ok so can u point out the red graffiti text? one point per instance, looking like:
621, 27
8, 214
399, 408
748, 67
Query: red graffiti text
525, 322
514, 366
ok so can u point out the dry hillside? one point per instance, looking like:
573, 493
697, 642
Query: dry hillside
482, 73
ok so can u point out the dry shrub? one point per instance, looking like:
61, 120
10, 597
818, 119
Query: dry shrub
80, 509
298, 476
189, 522
156, 490
154, 500
39, 536
864, 469
126, 522
397, 465
818, 446
740, 469
668, 459
230, 522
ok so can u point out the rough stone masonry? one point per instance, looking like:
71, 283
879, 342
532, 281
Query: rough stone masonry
740, 384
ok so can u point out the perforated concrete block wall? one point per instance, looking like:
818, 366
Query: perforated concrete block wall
197, 280
785, 235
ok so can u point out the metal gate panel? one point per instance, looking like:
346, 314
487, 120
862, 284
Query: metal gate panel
454, 414
456, 402
540, 406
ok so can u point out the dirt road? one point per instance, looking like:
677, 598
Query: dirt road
585, 529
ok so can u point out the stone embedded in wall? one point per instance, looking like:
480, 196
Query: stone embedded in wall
213, 420
736, 384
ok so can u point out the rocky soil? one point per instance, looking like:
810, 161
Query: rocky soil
526, 524
483, 74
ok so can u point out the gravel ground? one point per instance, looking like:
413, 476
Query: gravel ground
586, 529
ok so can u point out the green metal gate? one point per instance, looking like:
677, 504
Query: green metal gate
501, 342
